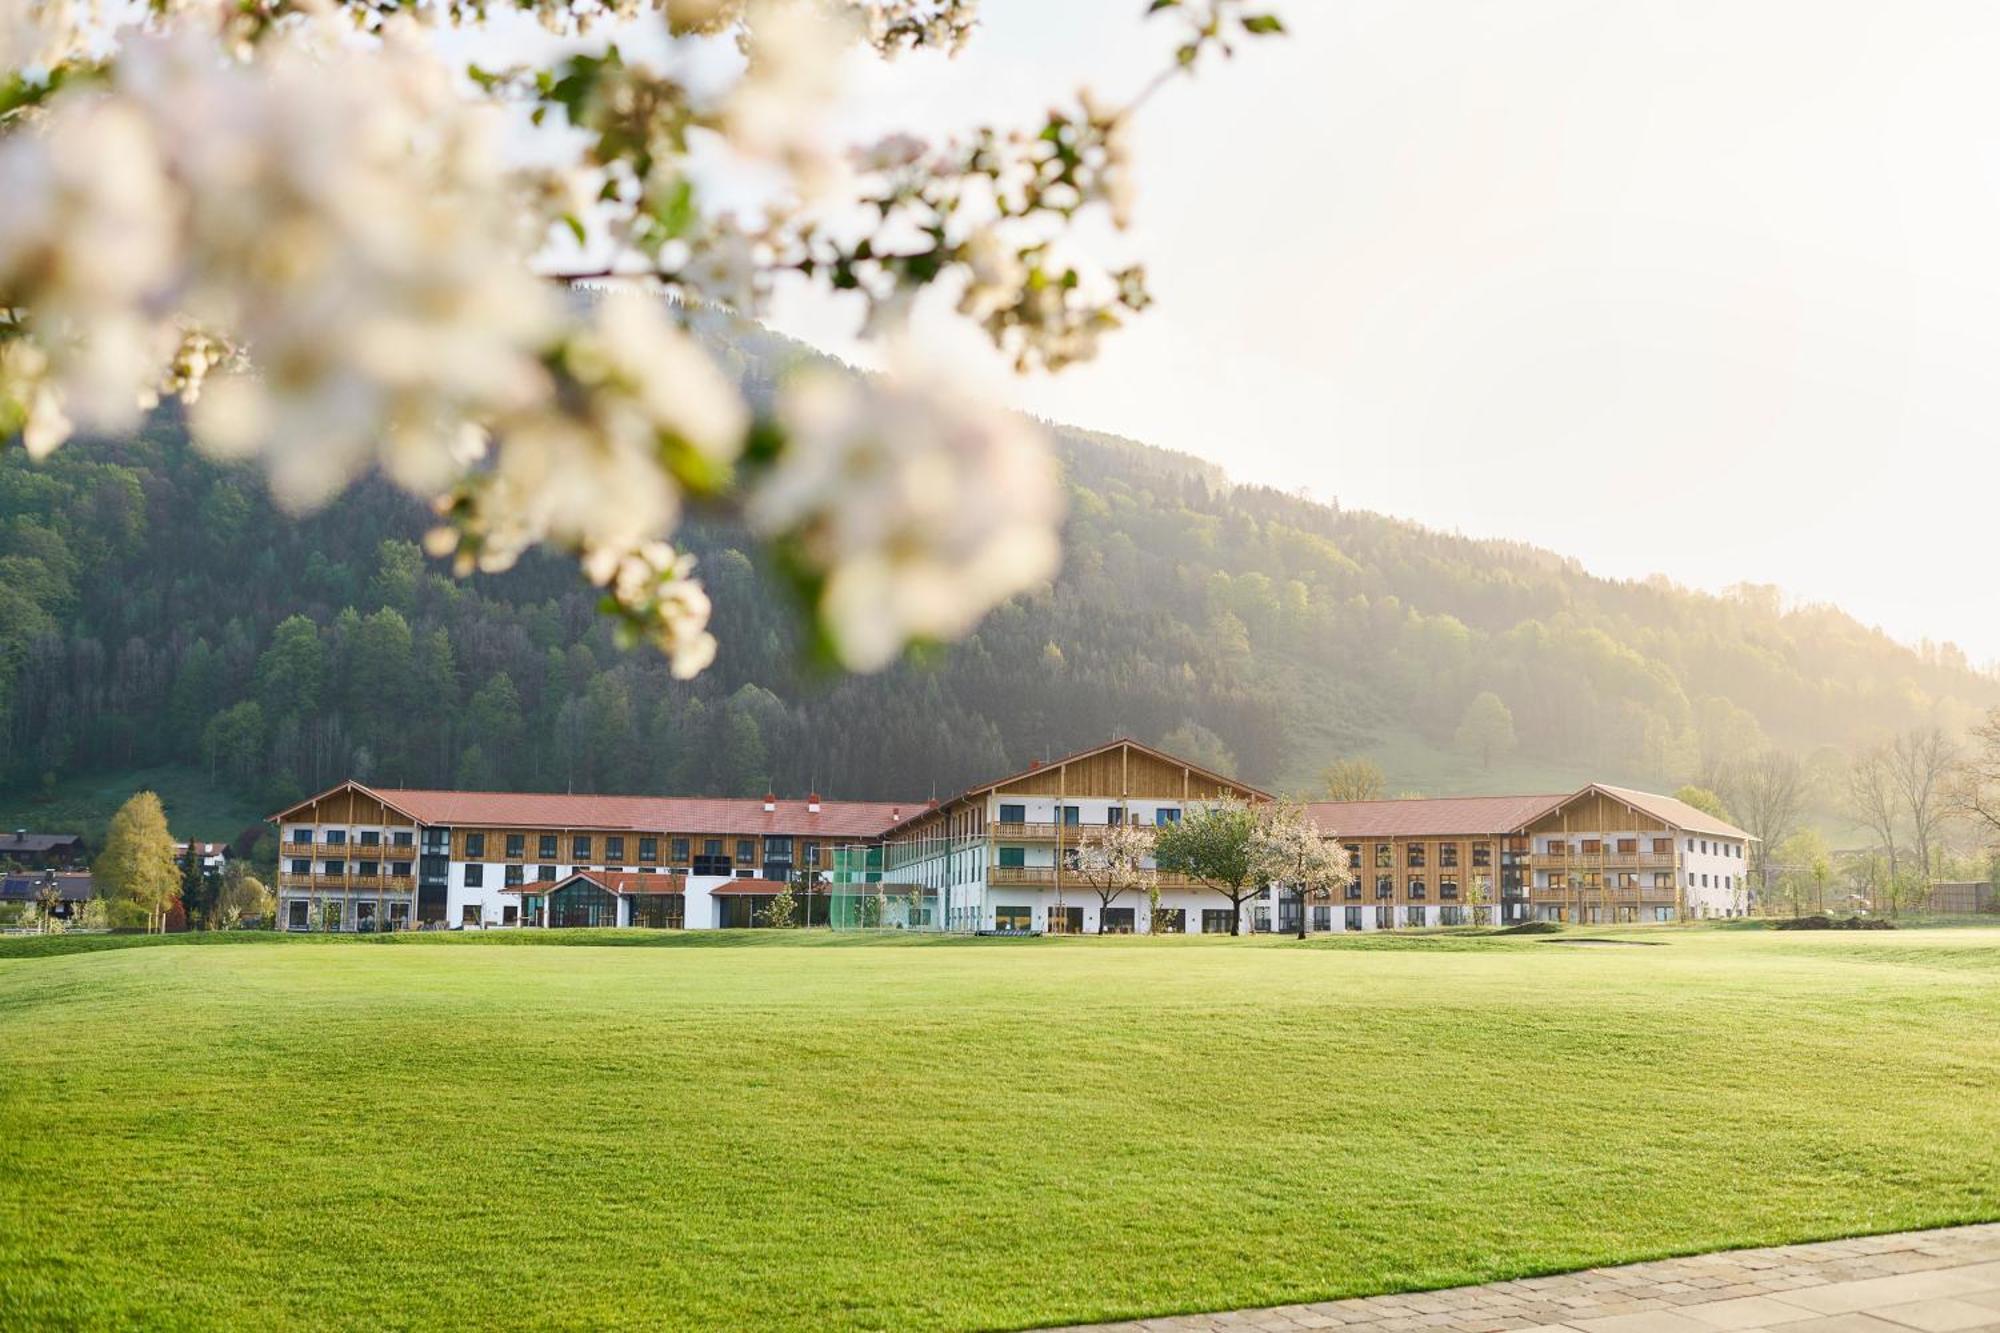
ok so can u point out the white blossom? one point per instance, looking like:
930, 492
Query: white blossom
921, 509
87, 236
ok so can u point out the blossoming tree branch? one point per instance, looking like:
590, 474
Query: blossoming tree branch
298, 219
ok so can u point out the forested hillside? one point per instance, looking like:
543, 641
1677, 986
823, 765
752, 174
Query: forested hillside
156, 610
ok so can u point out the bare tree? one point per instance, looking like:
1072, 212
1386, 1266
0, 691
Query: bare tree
1975, 785
1767, 794
1872, 799
1921, 762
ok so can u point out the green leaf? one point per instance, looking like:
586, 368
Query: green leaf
1262, 23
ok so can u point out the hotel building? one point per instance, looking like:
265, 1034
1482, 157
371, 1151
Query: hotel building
1003, 856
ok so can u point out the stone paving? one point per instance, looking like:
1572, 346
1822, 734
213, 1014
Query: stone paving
1945, 1281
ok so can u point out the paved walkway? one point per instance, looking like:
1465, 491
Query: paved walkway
1944, 1281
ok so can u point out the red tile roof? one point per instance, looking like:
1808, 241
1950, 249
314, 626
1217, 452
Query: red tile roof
652, 814
749, 886
1439, 816
620, 882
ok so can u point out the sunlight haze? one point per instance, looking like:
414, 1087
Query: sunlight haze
1707, 290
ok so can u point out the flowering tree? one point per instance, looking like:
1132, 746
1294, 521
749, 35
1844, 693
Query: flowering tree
1290, 852
1113, 863
293, 216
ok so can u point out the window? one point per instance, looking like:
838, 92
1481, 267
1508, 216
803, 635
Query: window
1354, 888
1447, 886
1628, 846
1663, 914
746, 851
1628, 879
1413, 855
777, 849
581, 903
302, 867
1385, 886
545, 847
1704, 846
545, 874
614, 851
402, 838
1385, 856
1482, 854
1013, 918
368, 869
1352, 919
1115, 816
475, 845
475, 876
1451, 916
1013, 814
333, 868
1216, 921
677, 851
579, 848
1690, 844
1385, 917
1166, 815
1663, 846
1353, 850
336, 837
512, 875
1013, 857
1663, 879
1414, 915
811, 853
1448, 855
1116, 921
1169, 921
1704, 881
1592, 846
468, 915
660, 911
371, 838
1322, 918
1072, 816
649, 850
711, 861
1416, 887
517, 845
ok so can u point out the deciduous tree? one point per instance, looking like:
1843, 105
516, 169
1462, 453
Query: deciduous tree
1486, 730
1113, 863
1294, 855
1211, 844
136, 871
1354, 779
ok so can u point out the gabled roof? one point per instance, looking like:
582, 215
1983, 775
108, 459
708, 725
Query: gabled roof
748, 886
1439, 816
17, 841
643, 814
619, 883
1208, 775
1667, 810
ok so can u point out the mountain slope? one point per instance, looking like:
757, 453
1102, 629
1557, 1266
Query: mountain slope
155, 609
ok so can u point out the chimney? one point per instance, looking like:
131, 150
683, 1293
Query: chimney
812, 803
1034, 764
770, 802
895, 813
931, 804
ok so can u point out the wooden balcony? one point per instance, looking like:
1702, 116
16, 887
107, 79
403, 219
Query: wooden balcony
1024, 876
295, 848
1024, 832
381, 883
1604, 861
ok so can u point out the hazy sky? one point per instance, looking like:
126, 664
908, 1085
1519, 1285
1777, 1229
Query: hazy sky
1705, 289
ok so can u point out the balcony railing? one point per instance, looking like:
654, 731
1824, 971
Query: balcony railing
1017, 830
357, 883
1604, 860
1028, 876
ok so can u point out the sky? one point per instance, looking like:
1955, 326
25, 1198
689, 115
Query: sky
1710, 290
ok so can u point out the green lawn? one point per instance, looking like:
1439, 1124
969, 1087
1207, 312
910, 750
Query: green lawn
770, 1131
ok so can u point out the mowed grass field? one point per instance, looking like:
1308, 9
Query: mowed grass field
786, 1131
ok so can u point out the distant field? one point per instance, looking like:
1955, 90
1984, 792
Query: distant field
769, 1130
196, 807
